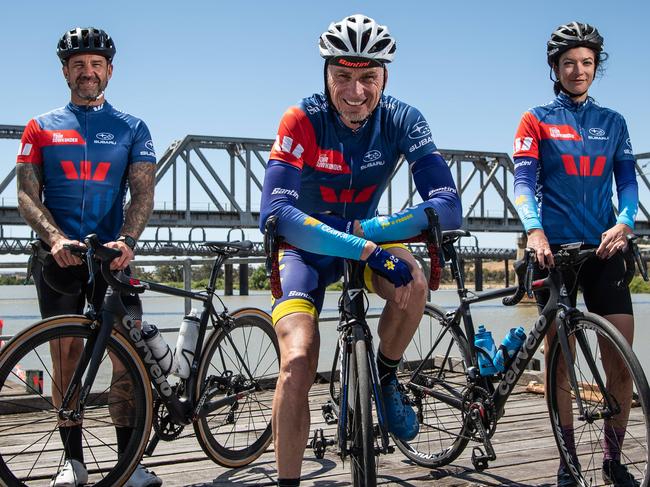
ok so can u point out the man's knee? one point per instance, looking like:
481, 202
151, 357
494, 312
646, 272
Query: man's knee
420, 286
298, 371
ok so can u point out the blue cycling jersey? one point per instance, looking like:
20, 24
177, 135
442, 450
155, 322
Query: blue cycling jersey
319, 165
85, 153
565, 156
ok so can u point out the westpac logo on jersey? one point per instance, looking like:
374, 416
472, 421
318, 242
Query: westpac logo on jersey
584, 168
286, 145
88, 171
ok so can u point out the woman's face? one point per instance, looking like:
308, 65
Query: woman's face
576, 69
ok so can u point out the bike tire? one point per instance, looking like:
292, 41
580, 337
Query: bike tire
31, 449
237, 434
603, 339
362, 455
443, 348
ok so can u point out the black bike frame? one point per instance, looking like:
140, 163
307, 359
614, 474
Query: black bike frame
558, 300
182, 410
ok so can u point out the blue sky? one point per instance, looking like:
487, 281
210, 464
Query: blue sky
232, 68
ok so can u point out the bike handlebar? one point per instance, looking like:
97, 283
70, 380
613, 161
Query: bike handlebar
568, 257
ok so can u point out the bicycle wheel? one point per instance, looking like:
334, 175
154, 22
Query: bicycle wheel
249, 355
592, 338
31, 387
434, 367
361, 434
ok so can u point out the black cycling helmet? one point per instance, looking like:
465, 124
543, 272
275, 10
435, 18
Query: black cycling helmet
85, 40
573, 34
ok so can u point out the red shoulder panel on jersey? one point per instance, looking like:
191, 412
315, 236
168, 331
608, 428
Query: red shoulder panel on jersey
296, 140
527, 137
29, 151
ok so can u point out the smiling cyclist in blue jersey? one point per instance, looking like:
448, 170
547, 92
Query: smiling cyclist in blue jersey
333, 158
567, 154
74, 166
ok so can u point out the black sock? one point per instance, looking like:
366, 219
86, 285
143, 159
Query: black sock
288, 482
71, 439
386, 367
123, 434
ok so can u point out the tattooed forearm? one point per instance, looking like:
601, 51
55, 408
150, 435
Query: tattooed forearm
141, 186
30, 185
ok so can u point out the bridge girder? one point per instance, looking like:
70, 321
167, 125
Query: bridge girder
216, 182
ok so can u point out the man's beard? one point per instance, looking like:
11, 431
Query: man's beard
88, 93
355, 118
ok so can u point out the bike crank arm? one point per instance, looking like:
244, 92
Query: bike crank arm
204, 408
479, 458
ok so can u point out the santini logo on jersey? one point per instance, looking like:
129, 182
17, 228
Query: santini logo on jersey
288, 192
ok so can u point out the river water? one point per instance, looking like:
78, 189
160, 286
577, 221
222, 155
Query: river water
19, 308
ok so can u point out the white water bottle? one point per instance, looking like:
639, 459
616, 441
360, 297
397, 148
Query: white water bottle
159, 348
185, 345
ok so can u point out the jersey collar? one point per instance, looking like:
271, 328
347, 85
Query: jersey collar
86, 109
566, 101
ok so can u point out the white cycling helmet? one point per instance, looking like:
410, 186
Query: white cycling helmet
358, 36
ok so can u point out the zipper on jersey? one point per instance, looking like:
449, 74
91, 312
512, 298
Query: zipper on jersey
84, 180
582, 177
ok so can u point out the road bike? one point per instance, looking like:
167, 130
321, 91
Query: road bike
109, 382
456, 405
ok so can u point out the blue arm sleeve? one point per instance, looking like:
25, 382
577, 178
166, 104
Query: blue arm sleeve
279, 195
525, 183
627, 190
436, 186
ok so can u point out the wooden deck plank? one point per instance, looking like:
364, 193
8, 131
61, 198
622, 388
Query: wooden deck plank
525, 447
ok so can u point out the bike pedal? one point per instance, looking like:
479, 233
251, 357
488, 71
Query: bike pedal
328, 414
318, 443
479, 459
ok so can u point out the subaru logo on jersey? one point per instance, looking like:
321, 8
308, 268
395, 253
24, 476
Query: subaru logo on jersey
597, 134
104, 138
419, 130
371, 156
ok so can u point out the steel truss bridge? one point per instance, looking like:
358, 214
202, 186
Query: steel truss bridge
207, 182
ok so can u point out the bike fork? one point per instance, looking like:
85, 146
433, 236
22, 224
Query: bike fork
90, 360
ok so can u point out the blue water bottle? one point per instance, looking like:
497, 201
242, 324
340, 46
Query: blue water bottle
509, 347
486, 350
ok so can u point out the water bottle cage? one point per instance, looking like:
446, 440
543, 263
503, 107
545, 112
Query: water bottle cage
507, 359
